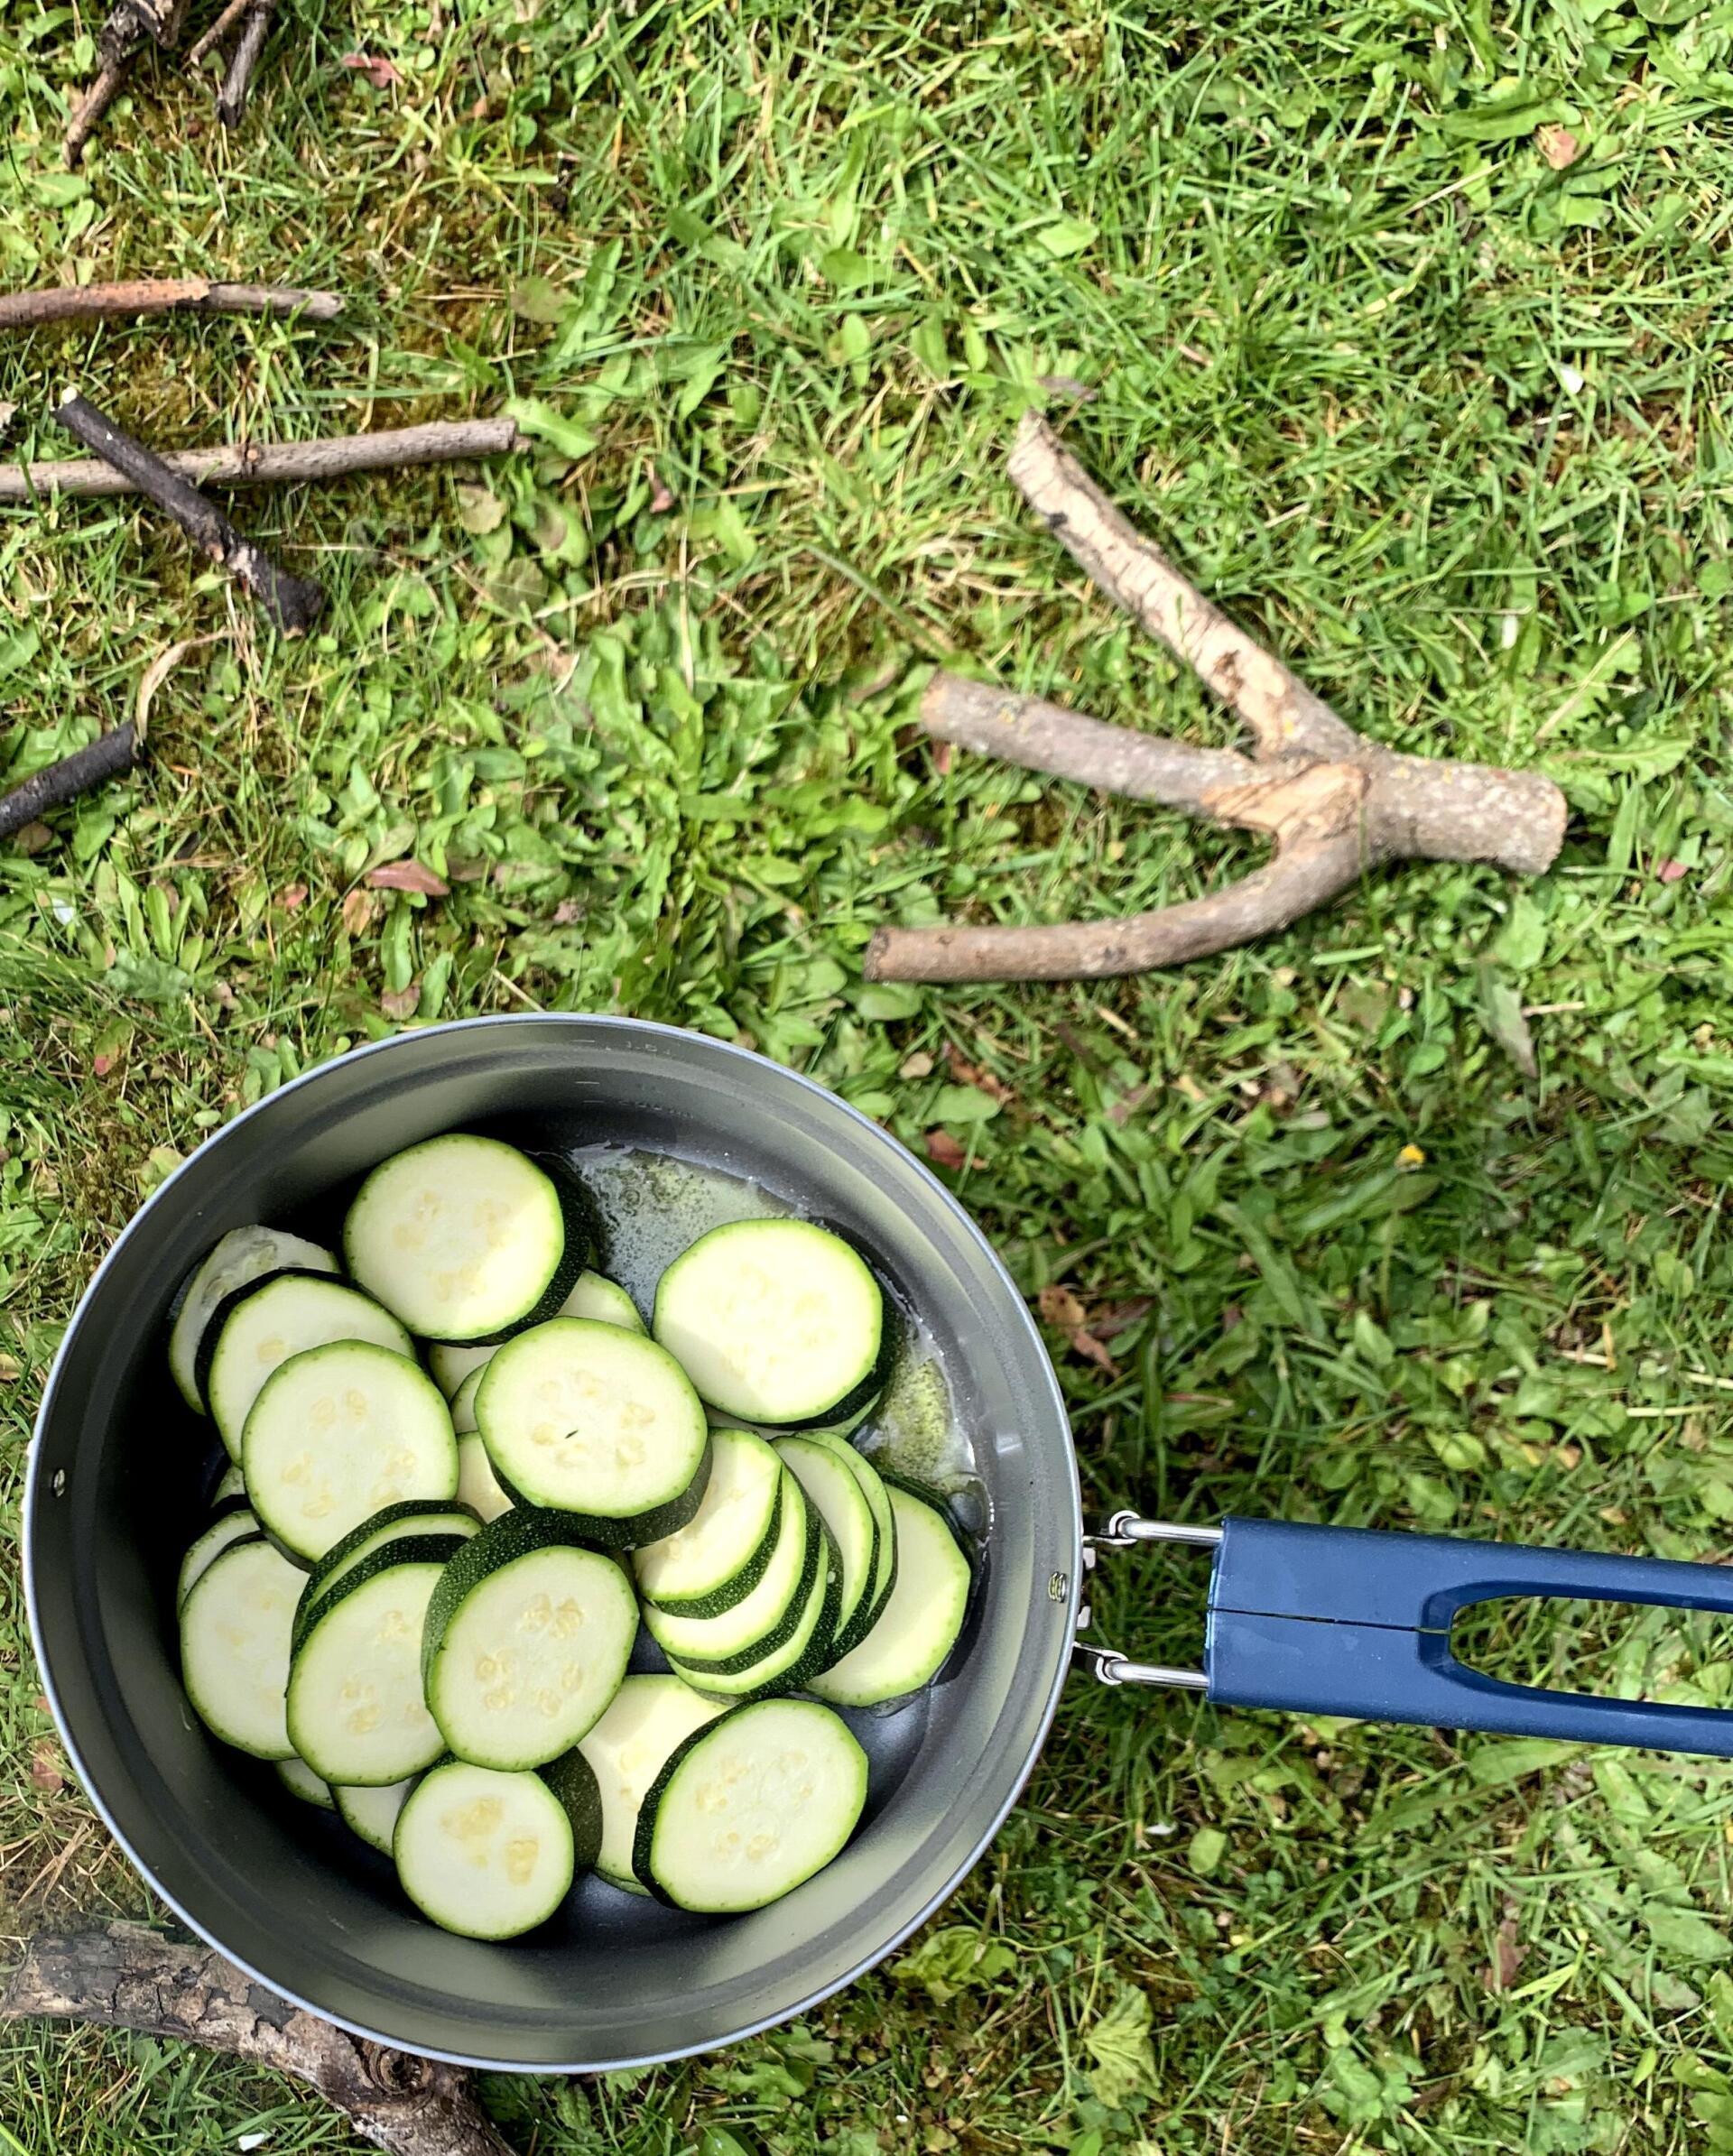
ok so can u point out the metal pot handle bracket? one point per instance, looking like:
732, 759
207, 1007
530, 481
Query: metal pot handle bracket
1352, 1621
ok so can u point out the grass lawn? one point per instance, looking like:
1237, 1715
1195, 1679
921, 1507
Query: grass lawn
1405, 328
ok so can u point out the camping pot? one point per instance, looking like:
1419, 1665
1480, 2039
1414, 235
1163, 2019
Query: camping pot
1300, 1618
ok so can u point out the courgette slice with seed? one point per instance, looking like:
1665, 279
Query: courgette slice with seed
919, 1625
355, 1711
300, 1780
491, 1855
258, 1327
594, 1295
335, 1435
725, 1548
629, 1747
527, 1638
466, 1239
750, 1808
245, 1257
236, 1524
372, 1814
841, 1499
477, 1486
600, 1423
414, 1520
779, 1322
236, 1625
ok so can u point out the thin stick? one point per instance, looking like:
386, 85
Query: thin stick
162, 295
216, 33
231, 98
118, 42
107, 756
293, 602
1280, 712
272, 463
125, 1976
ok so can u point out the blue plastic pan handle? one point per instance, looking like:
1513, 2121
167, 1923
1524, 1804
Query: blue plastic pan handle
1345, 1621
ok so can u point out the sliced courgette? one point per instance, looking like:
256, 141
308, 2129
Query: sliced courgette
603, 1424
492, 1854
725, 1548
463, 1401
335, 1435
841, 1499
236, 1524
628, 1748
231, 1484
594, 1295
526, 1640
878, 1497
807, 1650
259, 1327
476, 1486
235, 1625
748, 1630
777, 1321
414, 1520
300, 1780
373, 1813
355, 1711
750, 1808
465, 1238
921, 1623
242, 1258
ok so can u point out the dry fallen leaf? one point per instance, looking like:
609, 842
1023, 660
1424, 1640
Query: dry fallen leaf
293, 895
1558, 146
1507, 1954
11, 1369
662, 496
408, 875
44, 1771
917, 1066
566, 912
152, 678
943, 756
971, 1074
377, 69
1670, 872
358, 913
1061, 1308
401, 1003
32, 837
944, 1149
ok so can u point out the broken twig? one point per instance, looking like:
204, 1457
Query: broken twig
293, 602
271, 463
1334, 805
255, 27
128, 26
162, 295
125, 1976
209, 38
107, 756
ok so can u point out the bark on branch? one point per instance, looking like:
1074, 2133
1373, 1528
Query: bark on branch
1334, 804
237, 77
293, 602
107, 757
263, 463
162, 295
125, 1976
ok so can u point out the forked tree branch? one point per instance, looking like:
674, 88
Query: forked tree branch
1335, 805
124, 1977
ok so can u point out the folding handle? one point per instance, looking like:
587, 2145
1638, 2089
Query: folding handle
1349, 1621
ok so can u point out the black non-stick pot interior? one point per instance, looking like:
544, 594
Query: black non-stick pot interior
121, 1470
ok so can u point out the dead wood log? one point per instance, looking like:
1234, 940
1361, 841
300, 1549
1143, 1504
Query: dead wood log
293, 602
270, 463
160, 295
107, 757
125, 1976
1334, 804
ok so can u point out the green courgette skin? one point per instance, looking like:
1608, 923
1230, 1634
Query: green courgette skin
407, 1549
205, 1353
601, 1532
785, 1626
582, 1224
406, 1508
517, 1534
740, 1585
820, 1648
572, 1780
644, 1839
